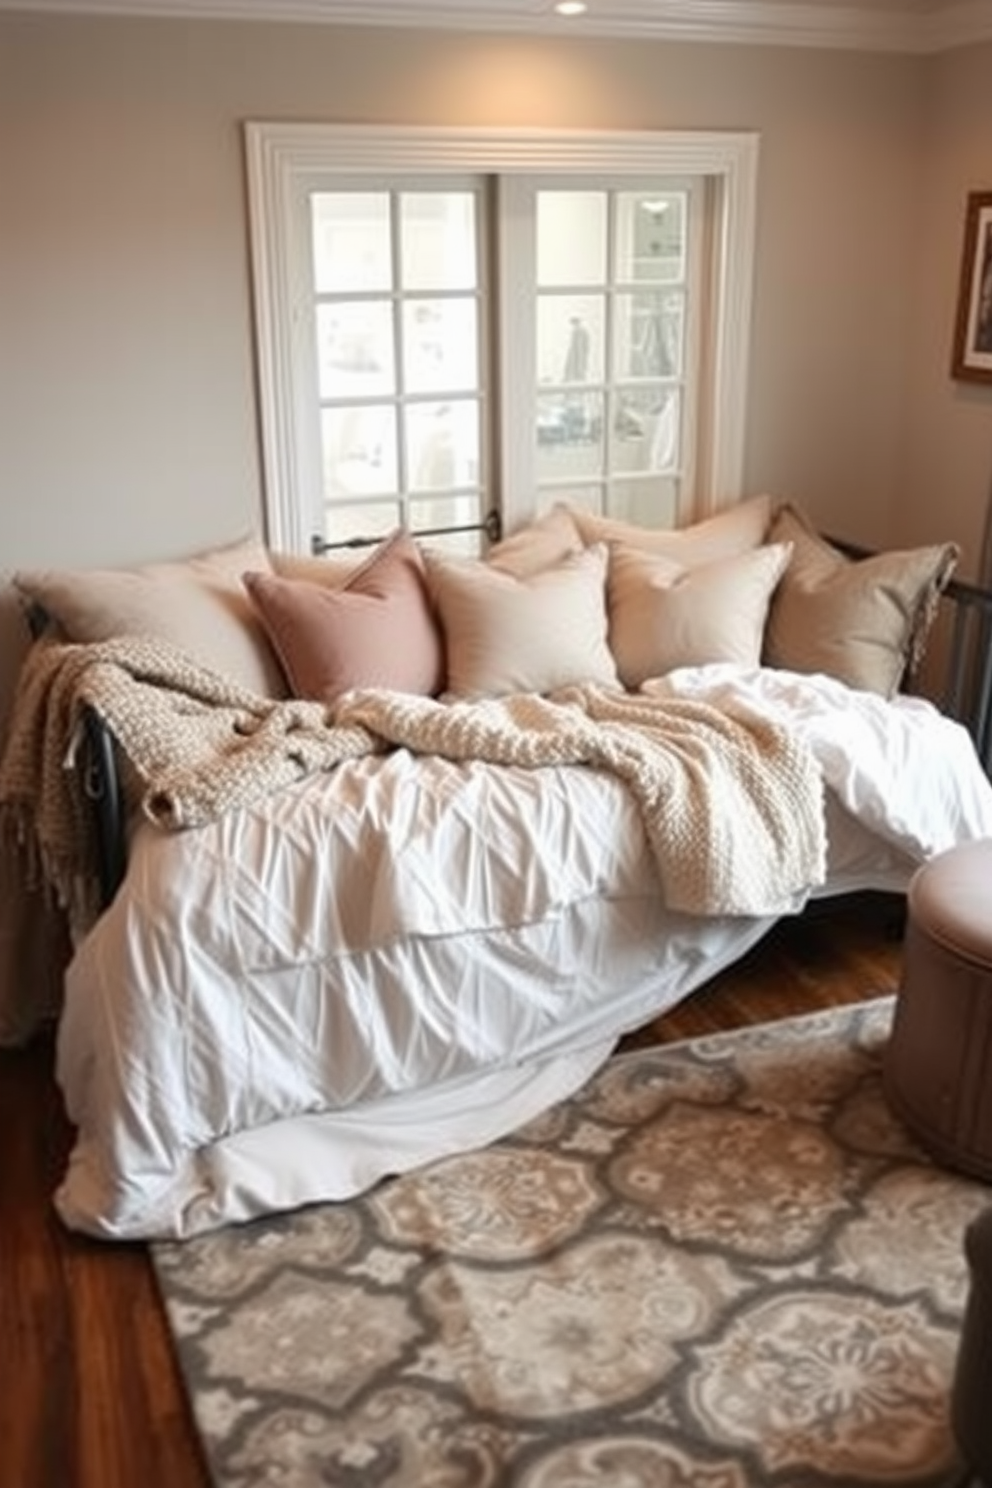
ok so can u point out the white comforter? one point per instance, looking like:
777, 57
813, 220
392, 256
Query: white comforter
410, 956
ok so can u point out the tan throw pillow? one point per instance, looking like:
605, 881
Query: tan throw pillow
540, 544
378, 630
505, 634
663, 616
198, 604
736, 530
863, 621
333, 573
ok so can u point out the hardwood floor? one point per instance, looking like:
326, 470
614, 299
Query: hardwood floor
833, 953
90, 1396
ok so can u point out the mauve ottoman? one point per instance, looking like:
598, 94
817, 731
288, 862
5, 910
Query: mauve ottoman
937, 1066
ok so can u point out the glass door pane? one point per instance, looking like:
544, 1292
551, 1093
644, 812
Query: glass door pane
438, 240
649, 330
645, 431
352, 242
442, 442
440, 346
571, 339
649, 229
355, 349
571, 237
360, 451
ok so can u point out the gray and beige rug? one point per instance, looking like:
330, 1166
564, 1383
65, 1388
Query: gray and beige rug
724, 1264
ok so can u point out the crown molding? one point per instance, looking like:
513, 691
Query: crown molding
795, 23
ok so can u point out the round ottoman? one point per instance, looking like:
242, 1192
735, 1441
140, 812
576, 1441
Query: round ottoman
937, 1066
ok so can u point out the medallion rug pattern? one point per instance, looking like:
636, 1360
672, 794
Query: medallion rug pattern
724, 1263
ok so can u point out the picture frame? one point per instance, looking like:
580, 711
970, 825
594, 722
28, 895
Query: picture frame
972, 356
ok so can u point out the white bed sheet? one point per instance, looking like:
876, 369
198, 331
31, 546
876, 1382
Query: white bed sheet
410, 957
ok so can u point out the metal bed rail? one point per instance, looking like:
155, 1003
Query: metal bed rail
968, 690
491, 525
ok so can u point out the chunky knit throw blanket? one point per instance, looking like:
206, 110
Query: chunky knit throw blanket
731, 804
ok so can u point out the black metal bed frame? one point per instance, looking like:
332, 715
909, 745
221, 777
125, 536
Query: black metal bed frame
965, 696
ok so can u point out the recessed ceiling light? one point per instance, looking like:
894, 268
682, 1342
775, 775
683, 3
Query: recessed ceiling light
571, 7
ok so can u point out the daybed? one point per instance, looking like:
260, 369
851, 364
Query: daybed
413, 844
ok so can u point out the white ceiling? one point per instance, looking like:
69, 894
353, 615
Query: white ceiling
875, 25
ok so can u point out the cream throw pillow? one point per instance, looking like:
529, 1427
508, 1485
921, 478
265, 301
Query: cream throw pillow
736, 530
533, 634
198, 604
863, 621
663, 616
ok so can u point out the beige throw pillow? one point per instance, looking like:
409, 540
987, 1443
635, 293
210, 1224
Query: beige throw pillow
198, 604
863, 621
533, 634
663, 616
736, 530
377, 630
332, 573
539, 544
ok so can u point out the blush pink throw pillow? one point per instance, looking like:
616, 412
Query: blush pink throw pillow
378, 630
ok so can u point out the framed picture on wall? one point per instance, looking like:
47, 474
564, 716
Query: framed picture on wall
972, 360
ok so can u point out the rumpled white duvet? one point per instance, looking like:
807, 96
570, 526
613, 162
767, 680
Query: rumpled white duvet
409, 957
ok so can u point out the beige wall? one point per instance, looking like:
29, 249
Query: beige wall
947, 466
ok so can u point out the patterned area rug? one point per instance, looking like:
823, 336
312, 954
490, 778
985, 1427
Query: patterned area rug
723, 1264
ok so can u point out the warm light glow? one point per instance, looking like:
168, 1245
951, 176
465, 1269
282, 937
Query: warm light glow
570, 7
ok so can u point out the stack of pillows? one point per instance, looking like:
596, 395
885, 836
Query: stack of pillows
570, 598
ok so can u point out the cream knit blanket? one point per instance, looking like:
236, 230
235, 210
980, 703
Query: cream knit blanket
732, 806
